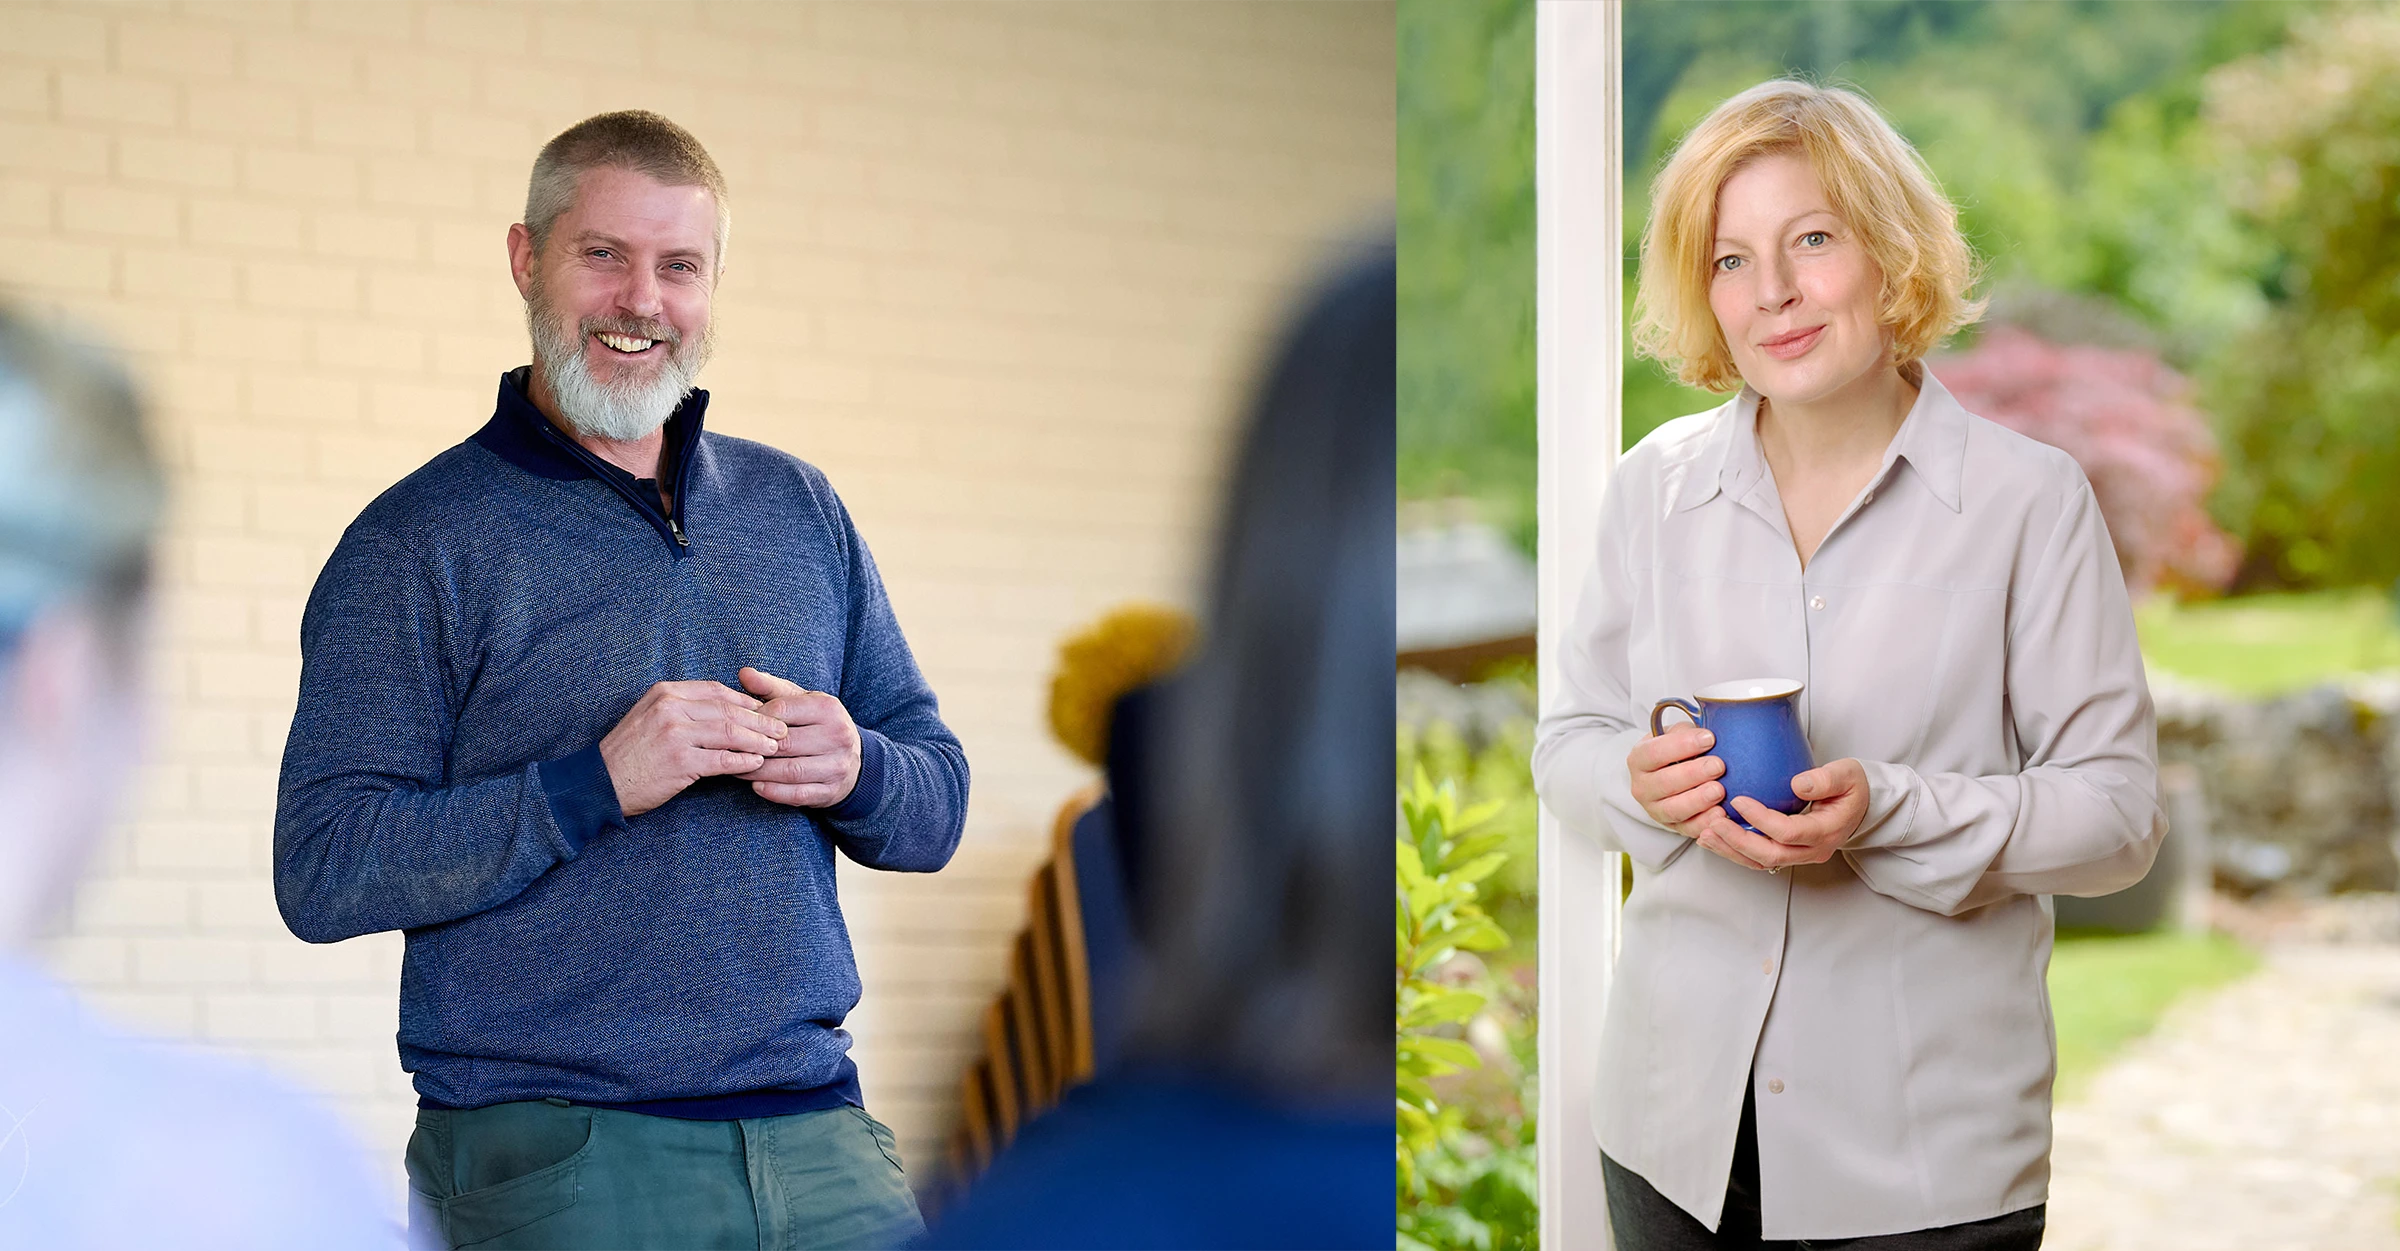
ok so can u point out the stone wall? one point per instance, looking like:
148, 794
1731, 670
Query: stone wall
2300, 791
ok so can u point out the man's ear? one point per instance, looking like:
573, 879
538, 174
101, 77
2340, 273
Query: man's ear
520, 259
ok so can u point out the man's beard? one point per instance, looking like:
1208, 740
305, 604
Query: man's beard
625, 409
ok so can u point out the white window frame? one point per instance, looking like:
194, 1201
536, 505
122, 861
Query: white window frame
1578, 194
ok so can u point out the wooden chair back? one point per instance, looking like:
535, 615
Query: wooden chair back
1037, 1033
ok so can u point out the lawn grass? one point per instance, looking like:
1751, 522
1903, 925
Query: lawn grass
2108, 989
2264, 645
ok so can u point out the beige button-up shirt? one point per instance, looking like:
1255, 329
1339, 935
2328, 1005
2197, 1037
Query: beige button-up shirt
1964, 632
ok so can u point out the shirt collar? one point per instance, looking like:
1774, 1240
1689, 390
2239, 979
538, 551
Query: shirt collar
1934, 442
1932, 439
519, 434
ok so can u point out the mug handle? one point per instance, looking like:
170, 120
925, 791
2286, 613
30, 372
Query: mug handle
1659, 710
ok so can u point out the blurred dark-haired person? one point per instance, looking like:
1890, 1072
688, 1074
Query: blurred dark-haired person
1254, 1109
587, 706
1833, 1024
108, 1140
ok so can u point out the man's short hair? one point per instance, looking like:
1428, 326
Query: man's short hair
634, 139
1875, 181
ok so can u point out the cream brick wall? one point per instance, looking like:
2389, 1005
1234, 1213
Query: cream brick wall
1000, 269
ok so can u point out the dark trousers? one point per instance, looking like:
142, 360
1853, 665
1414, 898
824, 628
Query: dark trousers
1644, 1220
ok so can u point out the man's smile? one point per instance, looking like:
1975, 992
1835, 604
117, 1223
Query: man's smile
626, 344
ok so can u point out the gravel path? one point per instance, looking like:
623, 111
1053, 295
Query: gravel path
2263, 1117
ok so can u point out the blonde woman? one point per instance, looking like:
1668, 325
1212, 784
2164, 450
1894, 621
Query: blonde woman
1836, 1027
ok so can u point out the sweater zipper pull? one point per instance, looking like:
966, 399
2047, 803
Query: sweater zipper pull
680, 541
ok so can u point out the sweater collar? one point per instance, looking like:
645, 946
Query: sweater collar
519, 434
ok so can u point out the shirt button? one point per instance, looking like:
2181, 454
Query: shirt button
1816, 603
1774, 1085
1766, 966
1870, 498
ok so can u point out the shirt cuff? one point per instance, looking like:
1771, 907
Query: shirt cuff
1891, 817
583, 800
867, 794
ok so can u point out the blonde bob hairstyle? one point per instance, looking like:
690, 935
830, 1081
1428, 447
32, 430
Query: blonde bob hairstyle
1876, 182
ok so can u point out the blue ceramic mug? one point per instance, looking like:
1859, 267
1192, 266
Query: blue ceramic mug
1757, 724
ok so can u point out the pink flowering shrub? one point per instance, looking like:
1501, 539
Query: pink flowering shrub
2128, 420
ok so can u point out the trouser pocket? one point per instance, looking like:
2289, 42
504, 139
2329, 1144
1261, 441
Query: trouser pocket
831, 1179
884, 1142
488, 1172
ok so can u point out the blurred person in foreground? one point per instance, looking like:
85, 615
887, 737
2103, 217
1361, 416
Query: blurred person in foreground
106, 1139
1254, 1109
588, 706
1834, 1025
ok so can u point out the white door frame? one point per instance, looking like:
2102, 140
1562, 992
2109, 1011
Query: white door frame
1578, 279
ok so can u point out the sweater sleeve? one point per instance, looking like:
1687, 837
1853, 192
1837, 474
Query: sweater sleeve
909, 806
370, 834
1588, 728
2082, 816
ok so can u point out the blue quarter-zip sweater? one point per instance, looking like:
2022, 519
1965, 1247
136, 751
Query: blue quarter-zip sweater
478, 629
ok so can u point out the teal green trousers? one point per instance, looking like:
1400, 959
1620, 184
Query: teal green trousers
547, 1174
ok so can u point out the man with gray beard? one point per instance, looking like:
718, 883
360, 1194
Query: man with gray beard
587, 704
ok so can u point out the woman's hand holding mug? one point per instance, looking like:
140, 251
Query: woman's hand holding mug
1837, 802
1795, 811
1677, 784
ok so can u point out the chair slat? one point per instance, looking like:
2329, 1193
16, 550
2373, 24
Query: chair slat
1000, 1063
1049, 976
1025, 1030
1074, 957
974, 1096
1037, 1033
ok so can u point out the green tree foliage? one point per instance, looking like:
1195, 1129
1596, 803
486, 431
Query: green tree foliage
1669, 42
2152, 232
2309, 404
1465, 212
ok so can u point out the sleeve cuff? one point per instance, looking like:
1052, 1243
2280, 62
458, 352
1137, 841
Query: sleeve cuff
1645, 843
1891, 806
867, 795
583, 800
